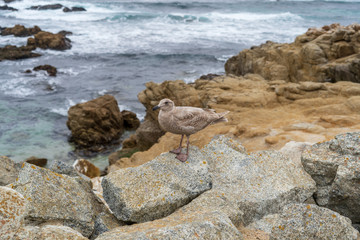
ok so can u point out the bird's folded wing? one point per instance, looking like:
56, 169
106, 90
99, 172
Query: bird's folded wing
191, 118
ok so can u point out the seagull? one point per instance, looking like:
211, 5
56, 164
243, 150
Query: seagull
185, 121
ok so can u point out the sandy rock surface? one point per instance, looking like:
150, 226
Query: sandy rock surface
263, 114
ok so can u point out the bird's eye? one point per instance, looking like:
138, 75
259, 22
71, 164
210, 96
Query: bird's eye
166, 102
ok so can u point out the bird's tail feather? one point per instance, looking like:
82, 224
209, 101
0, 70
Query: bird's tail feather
221, 118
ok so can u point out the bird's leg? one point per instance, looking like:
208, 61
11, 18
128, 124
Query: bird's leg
178, 150
182, 156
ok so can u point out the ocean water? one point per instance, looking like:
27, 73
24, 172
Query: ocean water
117, 46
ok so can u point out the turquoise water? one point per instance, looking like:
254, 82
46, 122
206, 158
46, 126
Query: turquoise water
120, 45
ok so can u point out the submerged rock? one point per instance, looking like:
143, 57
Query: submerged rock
335, 167
74, 9
6, 7
48, 40
51, 70
10, 52
12, 212
96, 123
20, 31
157, 188
47, 7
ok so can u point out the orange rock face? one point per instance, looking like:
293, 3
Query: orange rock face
48, 40
266, 114
306, 91
20, 31
95, 123
326, 54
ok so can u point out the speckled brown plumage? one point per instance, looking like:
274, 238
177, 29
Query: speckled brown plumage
185, 121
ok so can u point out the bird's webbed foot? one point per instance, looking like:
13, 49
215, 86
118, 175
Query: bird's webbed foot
182, 157
176, 151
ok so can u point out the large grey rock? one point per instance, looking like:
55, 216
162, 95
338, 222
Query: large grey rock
8, 171
305, 221
105, 222
12, 212
266, 224
53, 196
335, 166
62, 167
157, 188
293, 150
215, 200
259, 183
195, 225
48, 232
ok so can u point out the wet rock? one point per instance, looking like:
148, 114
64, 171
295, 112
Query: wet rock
40, 162
56, 197
85, 167
52, 71
20, 31
209, 76
8, 171
196, 225
318, 55
305, 221
47, 7
48, 232
74, 9
6, 7
48, 40
335, 167
259, 183
13, 211
131, 122
65, 33
10, 52
157, 188
96, 123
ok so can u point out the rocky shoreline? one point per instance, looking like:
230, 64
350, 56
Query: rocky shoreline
221, 192
285, 166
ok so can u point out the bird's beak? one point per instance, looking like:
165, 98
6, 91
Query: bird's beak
156, 107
